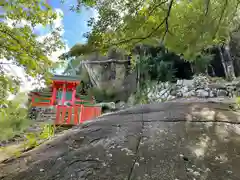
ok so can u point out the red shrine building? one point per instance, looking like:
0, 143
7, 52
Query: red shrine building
71, 108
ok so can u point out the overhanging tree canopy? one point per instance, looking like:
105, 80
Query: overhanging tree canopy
183, 26
20, 45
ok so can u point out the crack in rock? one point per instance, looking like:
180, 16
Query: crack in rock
137, 150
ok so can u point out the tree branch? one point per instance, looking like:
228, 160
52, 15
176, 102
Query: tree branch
2, 63
23, 48
165, 20
202, 28
148, 15
221, 17
207, 7
139, 39
106, 61
155, 7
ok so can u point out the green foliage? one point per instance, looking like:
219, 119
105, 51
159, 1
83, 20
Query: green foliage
141, 97
13, 120
8, 84
76, 5
166, 72
101, 95
157, 67
13, 115
202, 62
31, 140
35, 139
19, 45
161, 67
184, 27
74, 52
238, 102
73, 64
48, 131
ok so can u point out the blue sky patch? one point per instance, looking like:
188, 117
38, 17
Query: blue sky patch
75, 24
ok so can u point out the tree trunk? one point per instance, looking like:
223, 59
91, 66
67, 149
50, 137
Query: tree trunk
138, 74
223, 62
192, 67
213, 72
206, 70
229, 63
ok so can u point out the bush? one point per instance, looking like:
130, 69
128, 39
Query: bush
202, 62
102, 95
165, 72
159, 68
35, 139
141, 97
13, 120
30, 141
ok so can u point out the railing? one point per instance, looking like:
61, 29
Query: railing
74, 115
88, 113
46, 101
68, 113
76, 102
42, 101
83, 102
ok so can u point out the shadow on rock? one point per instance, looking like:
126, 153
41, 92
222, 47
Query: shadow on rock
173, 140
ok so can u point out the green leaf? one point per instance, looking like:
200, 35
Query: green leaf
184, 27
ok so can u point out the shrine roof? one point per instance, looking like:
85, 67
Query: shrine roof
41, 93
66, 78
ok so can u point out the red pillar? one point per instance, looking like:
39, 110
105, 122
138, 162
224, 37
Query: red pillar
73, 96
63, 94
54, 94
33, 100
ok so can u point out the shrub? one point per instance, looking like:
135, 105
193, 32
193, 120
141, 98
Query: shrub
202, 62
159, 68
13, 120
34, 139
103, 95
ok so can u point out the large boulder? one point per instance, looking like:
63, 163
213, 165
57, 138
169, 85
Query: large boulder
167, 141
113, 78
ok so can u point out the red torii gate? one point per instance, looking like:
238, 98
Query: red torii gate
70, 112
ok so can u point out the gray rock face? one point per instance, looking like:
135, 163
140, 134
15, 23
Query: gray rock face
200, 86
222, 93
167, 141
202, 93
111, 75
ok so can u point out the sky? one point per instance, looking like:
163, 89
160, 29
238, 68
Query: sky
73, 24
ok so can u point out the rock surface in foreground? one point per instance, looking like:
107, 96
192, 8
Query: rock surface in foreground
167, 141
